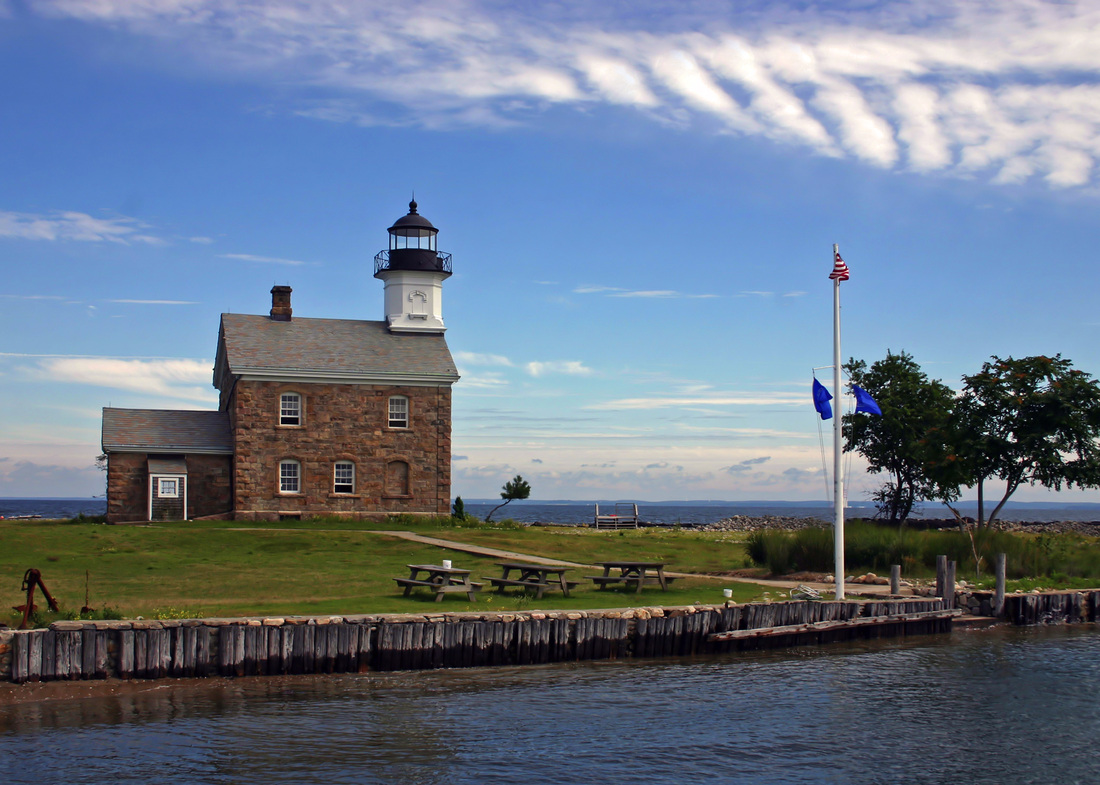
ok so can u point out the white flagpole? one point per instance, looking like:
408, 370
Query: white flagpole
838, 477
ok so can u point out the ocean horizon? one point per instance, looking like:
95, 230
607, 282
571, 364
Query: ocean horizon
664, 512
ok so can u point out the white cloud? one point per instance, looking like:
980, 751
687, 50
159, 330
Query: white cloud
475, 358
155, 302
774, 399
74, 226
1004, 88
568, 367
615, 291
247, 257
179, 379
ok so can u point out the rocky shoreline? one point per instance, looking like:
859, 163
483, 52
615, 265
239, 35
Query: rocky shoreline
748, 523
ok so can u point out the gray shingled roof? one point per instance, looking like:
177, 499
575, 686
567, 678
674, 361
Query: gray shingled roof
166, 430
336, 348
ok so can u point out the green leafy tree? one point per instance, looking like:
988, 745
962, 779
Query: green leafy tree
1035, 421
516, 488
907, 437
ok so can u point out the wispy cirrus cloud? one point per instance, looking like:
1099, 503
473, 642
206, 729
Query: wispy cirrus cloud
248, 257
481, 359
155, 302
717, 399
567, 367
1007, 90
71, 226
614, 291
175, 379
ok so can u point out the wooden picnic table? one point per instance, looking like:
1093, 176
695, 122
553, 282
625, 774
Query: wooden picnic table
441, 580
532, 576
632, 572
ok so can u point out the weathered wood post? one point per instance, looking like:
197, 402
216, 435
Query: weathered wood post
941, 575
999, 591
895, 579
949, 586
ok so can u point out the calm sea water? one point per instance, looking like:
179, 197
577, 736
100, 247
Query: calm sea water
1005, 706
660, 513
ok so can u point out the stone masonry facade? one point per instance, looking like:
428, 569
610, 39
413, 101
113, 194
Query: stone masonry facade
209, 484
396, 469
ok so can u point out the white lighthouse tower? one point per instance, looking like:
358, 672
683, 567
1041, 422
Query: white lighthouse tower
413, 271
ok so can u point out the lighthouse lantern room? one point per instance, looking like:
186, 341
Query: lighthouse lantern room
413, 272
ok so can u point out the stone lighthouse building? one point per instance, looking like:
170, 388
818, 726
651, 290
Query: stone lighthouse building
315, 416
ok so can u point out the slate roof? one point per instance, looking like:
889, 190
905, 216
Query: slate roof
166, 430
329, 348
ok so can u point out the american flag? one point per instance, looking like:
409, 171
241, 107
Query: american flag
840, 270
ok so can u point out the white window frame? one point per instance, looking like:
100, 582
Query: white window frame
285, 476
350, 481
402, 418
162, 481
284, 411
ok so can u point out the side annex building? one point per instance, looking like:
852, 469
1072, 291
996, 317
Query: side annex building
315, 416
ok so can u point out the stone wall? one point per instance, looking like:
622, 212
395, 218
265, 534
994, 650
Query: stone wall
341, 422
127, 487
209, 485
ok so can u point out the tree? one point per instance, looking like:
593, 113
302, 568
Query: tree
516, 488
908, 435
1035, 421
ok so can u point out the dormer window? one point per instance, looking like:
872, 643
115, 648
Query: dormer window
399, 411
290, 409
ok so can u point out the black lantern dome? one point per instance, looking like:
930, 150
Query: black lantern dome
412, 246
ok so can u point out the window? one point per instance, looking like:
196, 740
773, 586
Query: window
399, 412
397, 478
290, 477
344, 477
168, 488
290, 409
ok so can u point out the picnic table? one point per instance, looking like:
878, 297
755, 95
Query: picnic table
441, 580
532, 576
639, 573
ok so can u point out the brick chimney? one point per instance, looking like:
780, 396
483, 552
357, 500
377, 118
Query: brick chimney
280, 303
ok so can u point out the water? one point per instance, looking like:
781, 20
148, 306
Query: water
994, 706
52, 508
689, 513
667, 513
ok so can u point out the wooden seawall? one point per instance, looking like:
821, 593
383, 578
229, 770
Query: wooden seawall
1068, 607
74, 650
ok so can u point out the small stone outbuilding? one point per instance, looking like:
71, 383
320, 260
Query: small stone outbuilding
315, 416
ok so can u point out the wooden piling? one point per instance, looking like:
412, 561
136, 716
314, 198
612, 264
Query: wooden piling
949, 585
895, 579
941, 575
999, 591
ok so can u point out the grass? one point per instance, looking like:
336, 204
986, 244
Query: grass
1047, 560
218, 568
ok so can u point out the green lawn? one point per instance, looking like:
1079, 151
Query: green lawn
231, 569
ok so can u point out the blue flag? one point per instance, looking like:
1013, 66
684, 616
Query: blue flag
821, 400
864, 401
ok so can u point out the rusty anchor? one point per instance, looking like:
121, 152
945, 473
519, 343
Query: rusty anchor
32, 578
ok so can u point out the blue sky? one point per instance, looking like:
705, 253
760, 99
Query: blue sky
640, 198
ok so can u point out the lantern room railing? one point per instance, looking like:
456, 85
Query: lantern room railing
382, 261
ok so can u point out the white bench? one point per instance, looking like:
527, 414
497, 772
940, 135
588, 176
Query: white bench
624, 517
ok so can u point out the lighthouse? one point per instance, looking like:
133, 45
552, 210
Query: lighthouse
413, 271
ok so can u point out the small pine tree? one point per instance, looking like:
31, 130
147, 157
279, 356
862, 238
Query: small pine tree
516, 488
459, 509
